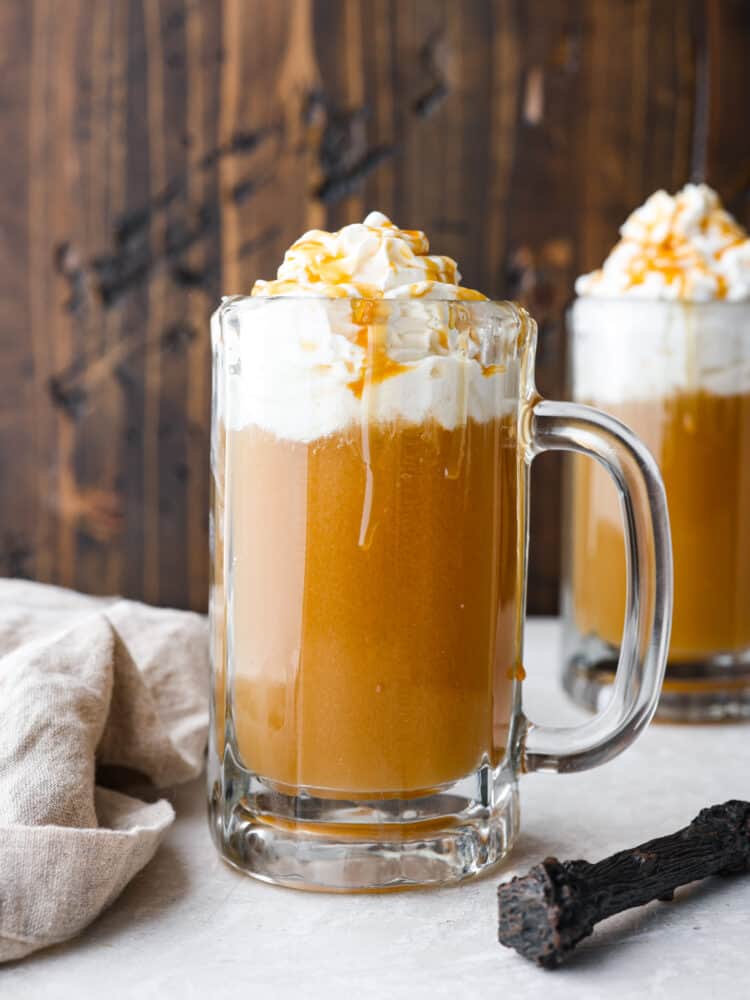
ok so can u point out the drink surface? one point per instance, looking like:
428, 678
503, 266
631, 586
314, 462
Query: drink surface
374, 658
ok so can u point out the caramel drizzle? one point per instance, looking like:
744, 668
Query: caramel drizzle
321, 267
675, 257
517, 672
371, 337
377, 364
459, 320
371, 319
318, 265
366, 524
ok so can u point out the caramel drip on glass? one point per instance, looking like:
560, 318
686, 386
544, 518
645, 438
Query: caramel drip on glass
366, 526
372, 337
458, 320
377, 365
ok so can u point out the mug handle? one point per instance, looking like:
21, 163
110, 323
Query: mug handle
555, 426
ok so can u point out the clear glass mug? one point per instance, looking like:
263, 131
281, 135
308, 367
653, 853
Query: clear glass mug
678, 373
370, 465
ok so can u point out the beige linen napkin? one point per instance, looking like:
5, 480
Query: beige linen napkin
87, 681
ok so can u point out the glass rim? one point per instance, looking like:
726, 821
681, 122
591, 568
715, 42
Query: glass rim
510, 304
639, 300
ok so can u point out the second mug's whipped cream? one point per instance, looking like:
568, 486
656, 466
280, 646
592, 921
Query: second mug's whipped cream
684, 247
320, 349
669, 311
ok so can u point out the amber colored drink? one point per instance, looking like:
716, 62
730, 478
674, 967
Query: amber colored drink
702, 444
375, 621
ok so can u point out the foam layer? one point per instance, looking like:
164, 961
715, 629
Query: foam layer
685, 247
637, 350
303, 369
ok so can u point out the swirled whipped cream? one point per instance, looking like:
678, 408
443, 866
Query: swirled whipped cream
684, 247
364, 326
681, 273
371, 259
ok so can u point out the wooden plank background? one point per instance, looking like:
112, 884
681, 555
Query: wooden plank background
158, 153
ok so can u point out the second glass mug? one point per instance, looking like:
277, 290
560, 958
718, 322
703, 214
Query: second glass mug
369, 555
676, 372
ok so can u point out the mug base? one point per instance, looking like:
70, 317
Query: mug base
712, 689
332, 844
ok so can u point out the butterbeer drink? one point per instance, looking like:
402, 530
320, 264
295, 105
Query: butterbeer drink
373, 425
660, 338
371, 430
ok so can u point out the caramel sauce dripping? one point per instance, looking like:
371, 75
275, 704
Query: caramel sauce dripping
730, 246
416, 239
372, 335
383, 367
366, 526
323, 266
372, 338
661, 260
458, 320
440, 269
517, 672
422, 290
458, 440
470, 295
327, 269
674, 257
729, 229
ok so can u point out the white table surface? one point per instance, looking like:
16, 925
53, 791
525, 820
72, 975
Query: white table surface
188, 926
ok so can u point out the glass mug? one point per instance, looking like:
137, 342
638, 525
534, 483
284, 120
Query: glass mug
369, 550
678, 373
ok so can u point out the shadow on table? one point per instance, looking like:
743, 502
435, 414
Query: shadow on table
621, 934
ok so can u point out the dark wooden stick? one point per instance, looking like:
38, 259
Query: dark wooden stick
544, 914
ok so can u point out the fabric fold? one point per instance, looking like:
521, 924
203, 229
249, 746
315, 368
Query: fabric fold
87, 681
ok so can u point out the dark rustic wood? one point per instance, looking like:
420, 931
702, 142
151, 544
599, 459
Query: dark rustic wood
159, 153
544, 914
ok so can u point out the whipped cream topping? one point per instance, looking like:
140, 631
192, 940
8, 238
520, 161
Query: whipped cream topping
641, 349
372, 259
364, 326
684, 247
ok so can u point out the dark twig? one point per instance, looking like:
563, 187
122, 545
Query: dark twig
544, 914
